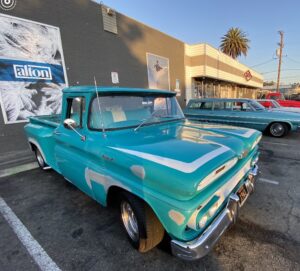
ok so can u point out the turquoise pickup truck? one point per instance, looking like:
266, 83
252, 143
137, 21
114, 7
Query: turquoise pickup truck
169, 176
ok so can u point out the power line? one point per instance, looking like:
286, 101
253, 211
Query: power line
296, 61
281, 70
284, 77
263, 63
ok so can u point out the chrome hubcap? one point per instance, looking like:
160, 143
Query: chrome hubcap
277, 129
40, 159
129, 221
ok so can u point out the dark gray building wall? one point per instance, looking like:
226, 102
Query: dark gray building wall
89, 50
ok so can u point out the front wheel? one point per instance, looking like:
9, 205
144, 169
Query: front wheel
278, 129
143, 228
40, 159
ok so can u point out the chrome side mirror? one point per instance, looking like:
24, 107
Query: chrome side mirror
70, 123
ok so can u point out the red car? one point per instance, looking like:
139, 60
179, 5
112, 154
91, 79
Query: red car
281, 100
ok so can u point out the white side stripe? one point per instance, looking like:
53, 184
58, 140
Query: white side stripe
175, 164
248, 134
39, 255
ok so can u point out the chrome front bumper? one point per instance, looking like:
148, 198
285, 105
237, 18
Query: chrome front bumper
202, 245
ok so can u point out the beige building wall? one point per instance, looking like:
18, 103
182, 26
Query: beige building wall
204, 61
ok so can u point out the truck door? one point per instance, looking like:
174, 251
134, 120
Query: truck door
70, 149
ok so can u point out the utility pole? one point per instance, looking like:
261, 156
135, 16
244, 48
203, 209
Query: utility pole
280, 58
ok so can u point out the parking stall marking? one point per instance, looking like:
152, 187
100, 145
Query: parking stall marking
274, 143
38, 254
268, 181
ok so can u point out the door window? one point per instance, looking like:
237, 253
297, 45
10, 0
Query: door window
195, 105
228, 106
241, 106
219, 105
207, 106
75, 110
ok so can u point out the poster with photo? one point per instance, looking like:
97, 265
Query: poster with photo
32, 69
158, 72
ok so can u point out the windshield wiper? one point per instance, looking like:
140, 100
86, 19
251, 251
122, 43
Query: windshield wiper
171, 117
148, 119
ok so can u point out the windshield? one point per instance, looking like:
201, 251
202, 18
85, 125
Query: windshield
123, 111
257, 106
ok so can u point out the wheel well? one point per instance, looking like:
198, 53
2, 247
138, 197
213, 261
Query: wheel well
286, 123
113, 195
32, 146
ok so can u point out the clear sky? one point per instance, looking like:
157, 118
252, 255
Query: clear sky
194, 21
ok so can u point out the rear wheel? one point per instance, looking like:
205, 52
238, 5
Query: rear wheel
40, 159
143, 228
278, 129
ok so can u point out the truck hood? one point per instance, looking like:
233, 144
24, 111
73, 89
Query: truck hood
177, 156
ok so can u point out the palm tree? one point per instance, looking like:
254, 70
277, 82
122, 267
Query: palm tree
234, 43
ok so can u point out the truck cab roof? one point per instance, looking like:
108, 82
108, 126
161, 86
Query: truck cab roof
117, 90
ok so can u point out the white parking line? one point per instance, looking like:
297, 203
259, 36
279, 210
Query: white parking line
268, 181
39, 255
274, 143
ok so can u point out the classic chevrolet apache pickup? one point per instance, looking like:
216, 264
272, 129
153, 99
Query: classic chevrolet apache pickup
169, 176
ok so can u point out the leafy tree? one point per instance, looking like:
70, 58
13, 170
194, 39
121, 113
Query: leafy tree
235, 42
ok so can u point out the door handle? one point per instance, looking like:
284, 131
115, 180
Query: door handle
57, 133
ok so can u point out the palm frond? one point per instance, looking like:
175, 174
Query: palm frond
235, 43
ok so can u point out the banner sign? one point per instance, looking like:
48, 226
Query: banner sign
27, 71
32, 69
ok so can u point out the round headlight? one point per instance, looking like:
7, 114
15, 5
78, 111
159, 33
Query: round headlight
203, 221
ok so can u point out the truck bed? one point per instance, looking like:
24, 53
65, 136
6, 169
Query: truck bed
52, 120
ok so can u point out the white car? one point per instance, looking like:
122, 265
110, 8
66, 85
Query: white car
275, 106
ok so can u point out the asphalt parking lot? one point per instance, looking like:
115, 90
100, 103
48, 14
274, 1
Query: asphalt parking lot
78, 234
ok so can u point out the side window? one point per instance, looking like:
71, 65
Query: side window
75, 110
246, 107
207, 106
236, 106
195, 105
219, 105
228, 106
241, 106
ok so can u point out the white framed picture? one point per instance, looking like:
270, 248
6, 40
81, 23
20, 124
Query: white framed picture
158, 71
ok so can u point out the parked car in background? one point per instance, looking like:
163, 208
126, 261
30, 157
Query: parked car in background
295, 97
134, 148
275, 106
281, 100
242, 112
